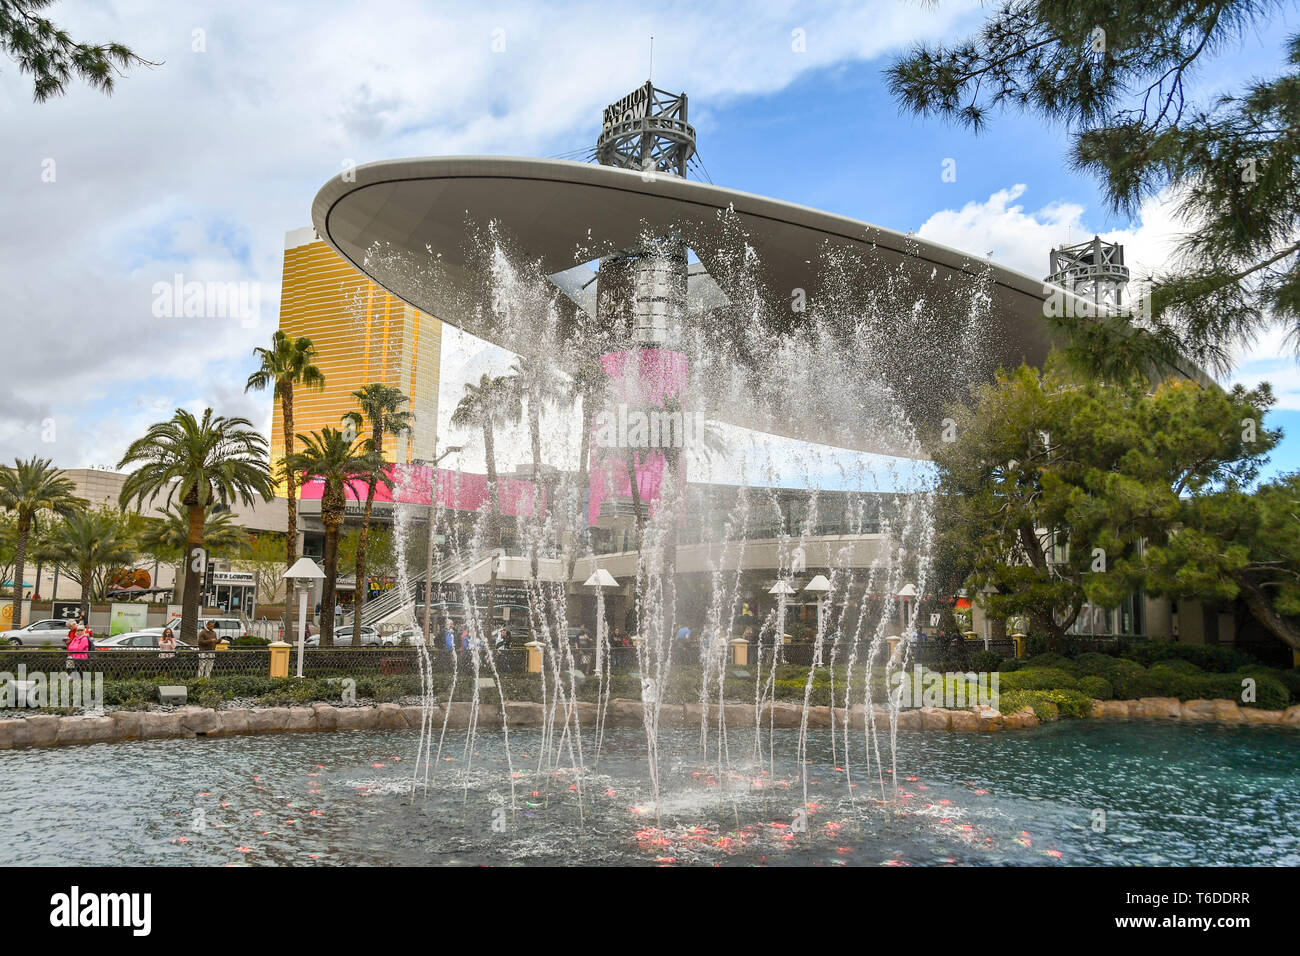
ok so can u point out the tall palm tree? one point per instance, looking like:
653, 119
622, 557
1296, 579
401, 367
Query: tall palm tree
590, 385
284, 366
197, 463
709, 443
381, 406
486, 406
166, 538
534, 386
329, 455
87, 545
27, 489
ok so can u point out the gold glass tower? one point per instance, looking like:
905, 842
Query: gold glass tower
362, 335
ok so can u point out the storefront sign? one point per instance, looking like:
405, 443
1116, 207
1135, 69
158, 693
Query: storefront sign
636, 105
124, 618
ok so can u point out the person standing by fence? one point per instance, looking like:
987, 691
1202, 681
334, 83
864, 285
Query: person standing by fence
207, 650
78, 647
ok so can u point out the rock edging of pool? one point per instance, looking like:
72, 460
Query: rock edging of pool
45, 730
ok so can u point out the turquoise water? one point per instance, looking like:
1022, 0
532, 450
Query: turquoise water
1170, 794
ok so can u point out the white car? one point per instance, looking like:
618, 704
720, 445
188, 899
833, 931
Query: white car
227, 628
132, 640
343, 636
47, 633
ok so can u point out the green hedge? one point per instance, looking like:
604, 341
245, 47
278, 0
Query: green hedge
1047, 704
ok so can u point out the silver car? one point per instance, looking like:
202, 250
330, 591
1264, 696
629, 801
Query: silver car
47, 633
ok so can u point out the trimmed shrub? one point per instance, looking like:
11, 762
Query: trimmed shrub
985, 661
1056, 661
1096, 687
1065, 703
1038, 678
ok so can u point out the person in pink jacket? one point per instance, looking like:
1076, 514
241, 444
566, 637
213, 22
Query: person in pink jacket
79, 645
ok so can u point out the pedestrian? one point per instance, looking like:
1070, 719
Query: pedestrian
306, 632
167, 644
207, 649
78, 647
450, 638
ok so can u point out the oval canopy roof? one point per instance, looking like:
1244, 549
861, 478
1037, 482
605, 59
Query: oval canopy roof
564, 213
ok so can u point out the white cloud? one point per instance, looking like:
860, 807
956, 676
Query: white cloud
1021, 240
198, 166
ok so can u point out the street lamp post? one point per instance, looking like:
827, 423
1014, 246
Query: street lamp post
301, 575
819, 586
782, 590
600, 579
433, 500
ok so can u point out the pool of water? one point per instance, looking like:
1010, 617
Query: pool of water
1068, 793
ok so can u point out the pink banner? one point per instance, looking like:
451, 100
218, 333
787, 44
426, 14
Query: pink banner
457, 490
639, 378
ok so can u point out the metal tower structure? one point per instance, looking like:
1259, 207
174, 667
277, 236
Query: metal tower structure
1092, 270
647, 131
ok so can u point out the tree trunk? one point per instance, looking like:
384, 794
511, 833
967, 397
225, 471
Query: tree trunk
87, 578
535, 434
291, 502
578, 544
20, 562
638, 509
1262, 610
359, 589
494, 516
193, 581
332, 518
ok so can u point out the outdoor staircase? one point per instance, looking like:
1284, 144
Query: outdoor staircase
383, 609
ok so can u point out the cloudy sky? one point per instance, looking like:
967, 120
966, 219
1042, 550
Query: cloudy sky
196, 168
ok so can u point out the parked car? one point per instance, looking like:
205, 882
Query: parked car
343, 637
47, 633
227, 628
409, 637
133, 640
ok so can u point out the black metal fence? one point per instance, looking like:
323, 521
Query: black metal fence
127, 664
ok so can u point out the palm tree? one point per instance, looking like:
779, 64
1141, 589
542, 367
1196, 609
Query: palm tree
166, 538
590, 384
486, 406
381, 405
27, 489
533, 386
329, 455
198, 464
87, 545
708, 443
286, 365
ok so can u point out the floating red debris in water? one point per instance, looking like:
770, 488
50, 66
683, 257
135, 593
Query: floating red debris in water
181, 840
257, 813
574, 786
205, 793
843, 850
245, 849
944, 803
378, 765
224, 804
310, 775
946, 820
981, 793
1055, 854
609, 793
317, 813
814, 807
839, 769
910, 779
